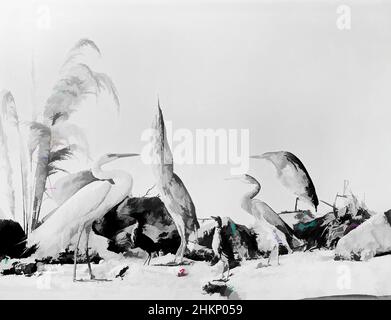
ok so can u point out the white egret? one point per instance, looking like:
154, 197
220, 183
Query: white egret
78, 212
268, 222
293, 175
172, 190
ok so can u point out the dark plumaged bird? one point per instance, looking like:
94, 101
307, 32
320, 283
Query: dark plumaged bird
218, 249
121, 274
293, 175
140, 240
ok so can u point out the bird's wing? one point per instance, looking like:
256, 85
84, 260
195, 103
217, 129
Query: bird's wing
184, 202
309, 185
56, 233
272, 217
67, 186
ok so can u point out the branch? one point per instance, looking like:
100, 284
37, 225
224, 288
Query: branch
148, 191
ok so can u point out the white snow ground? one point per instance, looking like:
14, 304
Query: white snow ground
300, 275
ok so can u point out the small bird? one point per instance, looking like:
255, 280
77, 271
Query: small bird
268, 223
172, 190
78, 212
218, 250
121, 274
140, 240
293, 175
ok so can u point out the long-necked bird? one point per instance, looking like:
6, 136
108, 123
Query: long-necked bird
263, 208
217, 247
293, 175
140, 240
172, 190
78, 212
270, 236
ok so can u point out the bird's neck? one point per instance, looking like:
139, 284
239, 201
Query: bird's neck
246, 200
100, 174
164, 173
122, 180
135, 232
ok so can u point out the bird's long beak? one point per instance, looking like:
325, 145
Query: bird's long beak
257, 156
265, 155
124, 155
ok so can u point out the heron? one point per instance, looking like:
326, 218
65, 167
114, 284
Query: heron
172, 190
78, 212
293, 175
218, 248
269, 225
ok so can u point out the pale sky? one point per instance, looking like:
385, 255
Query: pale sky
281, 69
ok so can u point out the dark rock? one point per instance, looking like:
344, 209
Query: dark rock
221, 288
201, 254
117, 224
12, 238
67, 257
314, 232
19, 268
239, 241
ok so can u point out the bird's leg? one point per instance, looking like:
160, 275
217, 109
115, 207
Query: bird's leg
182, 249
177, 254
297, 200
278, 254
75, 253
227, 269
270, 257
182, 246
149, 258
88, 230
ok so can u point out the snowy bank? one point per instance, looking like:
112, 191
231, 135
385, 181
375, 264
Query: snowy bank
373, 237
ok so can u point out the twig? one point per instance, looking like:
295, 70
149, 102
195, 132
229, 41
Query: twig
330, 205
148, 191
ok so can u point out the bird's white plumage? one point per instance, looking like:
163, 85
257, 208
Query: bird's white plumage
268, 235
295, 181
77, 213
66, 186
216, 242
57, 232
